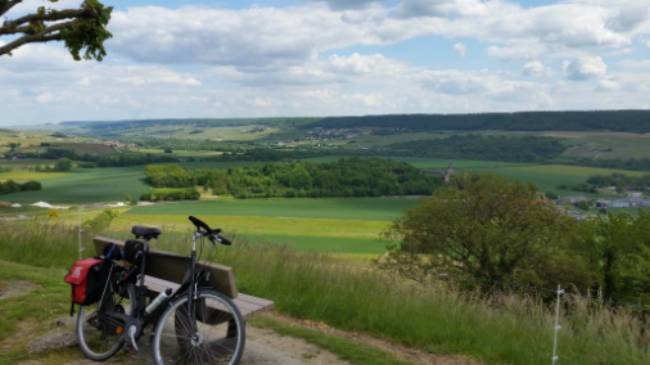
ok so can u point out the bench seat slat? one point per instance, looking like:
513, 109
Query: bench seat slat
246, 305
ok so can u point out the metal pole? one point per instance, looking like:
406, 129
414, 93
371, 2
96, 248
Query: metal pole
557, 327
79, 233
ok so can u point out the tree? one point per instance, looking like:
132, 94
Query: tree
63, 165
618, 246
83, 30
481, 232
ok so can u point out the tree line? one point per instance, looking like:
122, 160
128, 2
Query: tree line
345, 177
10, 186
477, 147
637, 121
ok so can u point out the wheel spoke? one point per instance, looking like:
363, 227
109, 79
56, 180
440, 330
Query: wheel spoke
180, 341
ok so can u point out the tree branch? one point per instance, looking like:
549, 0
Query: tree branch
83, 29
50, 16
6, 5
51, 33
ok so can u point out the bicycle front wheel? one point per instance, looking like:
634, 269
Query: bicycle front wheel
216, 335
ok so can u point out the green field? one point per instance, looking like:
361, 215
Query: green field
86, 186
604, 145
346, 225
547, 177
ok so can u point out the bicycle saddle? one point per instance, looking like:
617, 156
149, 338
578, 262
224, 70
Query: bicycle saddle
145, 232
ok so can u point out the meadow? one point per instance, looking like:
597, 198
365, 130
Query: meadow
342, 225
547, 177
83, 186
503, 330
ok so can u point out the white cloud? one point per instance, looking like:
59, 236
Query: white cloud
250, 37
534, 68
460, 49
441, 8
363, 64
348, 4
45, 97
585, 68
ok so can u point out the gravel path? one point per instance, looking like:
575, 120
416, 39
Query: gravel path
263, 347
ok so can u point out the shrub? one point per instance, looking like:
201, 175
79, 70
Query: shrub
11, 186
171, 194
484, 232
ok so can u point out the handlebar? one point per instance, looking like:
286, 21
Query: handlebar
214, 235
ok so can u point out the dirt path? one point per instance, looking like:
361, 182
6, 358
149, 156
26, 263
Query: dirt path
401, 352
263, 347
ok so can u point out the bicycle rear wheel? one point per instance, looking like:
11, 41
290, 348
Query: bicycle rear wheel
217, 336
98, 337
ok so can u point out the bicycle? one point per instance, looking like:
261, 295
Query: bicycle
193, 324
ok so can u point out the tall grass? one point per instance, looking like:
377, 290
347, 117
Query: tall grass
504, 330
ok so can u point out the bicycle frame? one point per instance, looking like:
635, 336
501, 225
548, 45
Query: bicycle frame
189, 287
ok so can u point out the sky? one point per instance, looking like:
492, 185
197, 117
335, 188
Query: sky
265, 58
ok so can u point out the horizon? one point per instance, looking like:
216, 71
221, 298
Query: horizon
144, 119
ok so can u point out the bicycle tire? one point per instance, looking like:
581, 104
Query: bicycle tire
198, 348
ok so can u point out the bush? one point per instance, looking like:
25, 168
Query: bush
11, 186
171, 194
487, 233
63, 165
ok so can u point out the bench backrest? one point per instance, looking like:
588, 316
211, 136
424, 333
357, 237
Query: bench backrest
172, 267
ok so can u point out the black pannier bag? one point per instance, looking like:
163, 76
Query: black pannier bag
133, 251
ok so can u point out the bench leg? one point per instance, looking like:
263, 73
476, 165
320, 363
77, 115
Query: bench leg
232, 329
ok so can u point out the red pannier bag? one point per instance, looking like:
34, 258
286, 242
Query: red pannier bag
87, 277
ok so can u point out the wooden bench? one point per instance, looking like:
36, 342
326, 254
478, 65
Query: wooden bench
166, 270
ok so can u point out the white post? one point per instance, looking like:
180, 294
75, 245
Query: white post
557, 327
79, 233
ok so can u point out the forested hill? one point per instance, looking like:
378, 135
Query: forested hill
636, 121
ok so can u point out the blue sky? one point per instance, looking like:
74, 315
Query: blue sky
191, 58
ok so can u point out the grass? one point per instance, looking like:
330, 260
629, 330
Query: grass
311, 234
333, 208
604, 145
26, 175
29, 315
505, 330
352, 351
343, 225
88, 186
